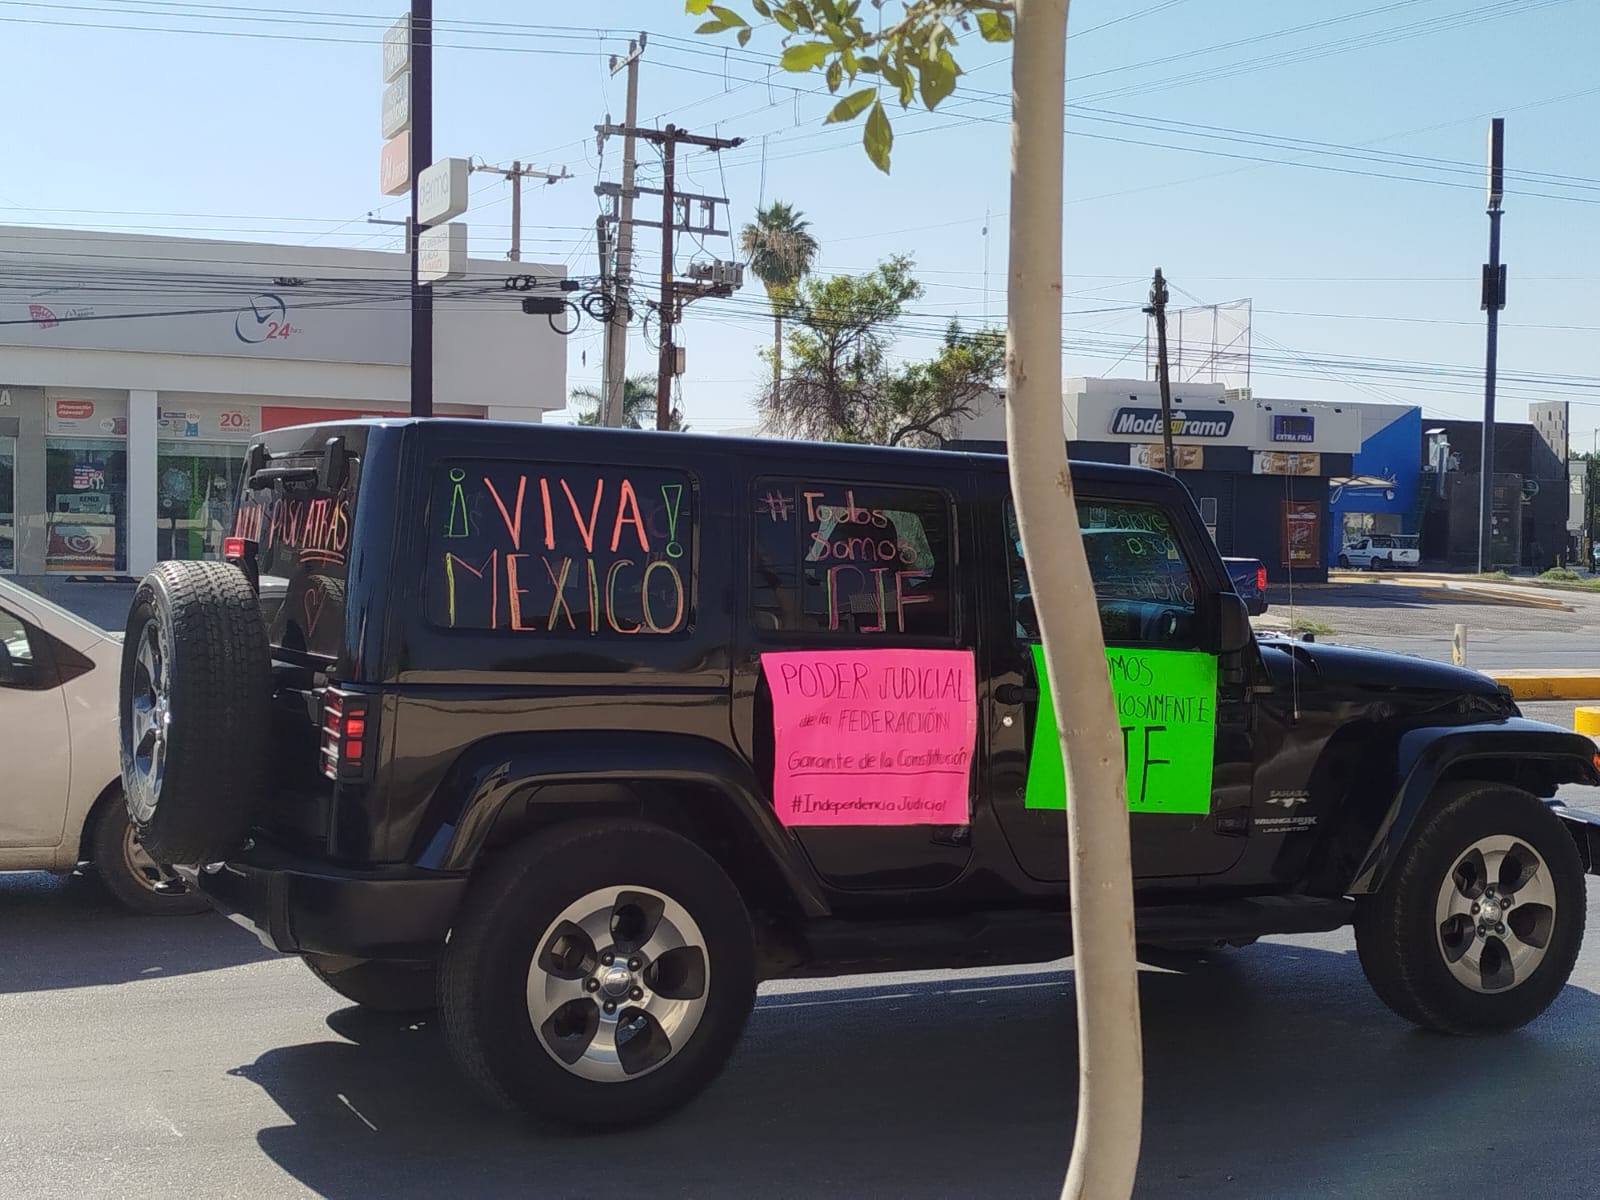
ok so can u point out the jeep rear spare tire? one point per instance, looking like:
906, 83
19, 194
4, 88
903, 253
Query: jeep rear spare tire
1477, 926
599, 974
195, 708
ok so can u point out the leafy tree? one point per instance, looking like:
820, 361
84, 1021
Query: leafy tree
912, 56
781, 250
638, 404
842, 386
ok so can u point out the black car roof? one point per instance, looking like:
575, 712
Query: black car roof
860, 457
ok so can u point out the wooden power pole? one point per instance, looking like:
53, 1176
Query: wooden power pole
516, 173
1158, 309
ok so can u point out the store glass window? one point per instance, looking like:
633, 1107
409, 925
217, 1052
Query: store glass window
195, 486
8, 504
86, 488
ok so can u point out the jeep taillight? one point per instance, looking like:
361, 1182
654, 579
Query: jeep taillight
241, 552
346, 739
1261, 580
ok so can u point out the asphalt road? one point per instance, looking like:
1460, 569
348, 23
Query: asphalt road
162, 1056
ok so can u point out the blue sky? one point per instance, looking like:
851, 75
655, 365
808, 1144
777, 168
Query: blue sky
1362, 265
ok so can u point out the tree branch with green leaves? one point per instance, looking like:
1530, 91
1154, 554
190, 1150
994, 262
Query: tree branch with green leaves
910, 58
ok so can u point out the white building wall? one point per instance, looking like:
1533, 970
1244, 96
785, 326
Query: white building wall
129, 358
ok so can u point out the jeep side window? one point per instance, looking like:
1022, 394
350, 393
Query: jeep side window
852, 559
1143, 586
562, 549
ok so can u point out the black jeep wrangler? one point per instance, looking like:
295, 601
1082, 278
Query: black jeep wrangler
581, 734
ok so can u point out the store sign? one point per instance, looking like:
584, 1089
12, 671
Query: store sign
1287, 462
394, 165
442, 191
264, 320
397, 48
397, 106
442, 253
87, 418
1294, 428
1146, 422
207, 423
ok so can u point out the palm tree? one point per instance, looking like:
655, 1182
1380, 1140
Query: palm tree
638, 404
780, 249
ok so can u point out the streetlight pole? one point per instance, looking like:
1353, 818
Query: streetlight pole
1494, 299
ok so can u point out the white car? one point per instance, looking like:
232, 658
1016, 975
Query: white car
1381, 552
61, 799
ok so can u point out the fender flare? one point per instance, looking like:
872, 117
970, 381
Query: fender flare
492, 773
1425, 756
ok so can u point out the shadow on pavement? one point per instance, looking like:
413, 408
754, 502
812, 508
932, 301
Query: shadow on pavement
1271, 1071
67, 932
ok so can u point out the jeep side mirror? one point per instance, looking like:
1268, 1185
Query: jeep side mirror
1235, 632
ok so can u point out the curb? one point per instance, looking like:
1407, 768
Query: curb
1549, 685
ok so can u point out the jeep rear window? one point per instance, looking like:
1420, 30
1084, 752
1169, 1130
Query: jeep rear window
852, 558
302, 531
560, 548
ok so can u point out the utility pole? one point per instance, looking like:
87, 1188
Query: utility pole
667, 363
517, 173
1158, 308
1494, 299
716, 279
421, 158
616, 344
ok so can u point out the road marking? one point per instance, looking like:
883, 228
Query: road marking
345, 1100
1004, 987
847, 1000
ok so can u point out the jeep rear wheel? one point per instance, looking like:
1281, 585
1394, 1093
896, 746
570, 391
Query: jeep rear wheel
1478, 925
195, 706
599, 975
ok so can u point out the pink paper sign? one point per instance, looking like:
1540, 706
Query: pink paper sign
872, 737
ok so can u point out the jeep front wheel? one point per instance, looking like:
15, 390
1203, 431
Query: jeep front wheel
1478, 925
599, 975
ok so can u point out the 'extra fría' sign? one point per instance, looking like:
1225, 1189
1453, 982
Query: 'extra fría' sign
1146, 422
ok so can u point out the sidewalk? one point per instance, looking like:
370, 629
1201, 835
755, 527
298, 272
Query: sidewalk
1523, 593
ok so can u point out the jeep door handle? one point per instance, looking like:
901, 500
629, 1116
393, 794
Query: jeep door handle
1015, 693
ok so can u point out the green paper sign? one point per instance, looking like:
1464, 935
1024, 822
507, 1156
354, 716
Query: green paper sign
1167, 707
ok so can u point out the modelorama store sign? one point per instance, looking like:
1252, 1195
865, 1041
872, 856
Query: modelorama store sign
1146, 422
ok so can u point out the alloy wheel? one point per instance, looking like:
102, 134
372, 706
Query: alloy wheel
1495, 914
619, 983
151, 720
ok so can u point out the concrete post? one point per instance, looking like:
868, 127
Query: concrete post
143, 410
1458, 646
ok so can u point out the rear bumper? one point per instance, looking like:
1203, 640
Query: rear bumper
310, 906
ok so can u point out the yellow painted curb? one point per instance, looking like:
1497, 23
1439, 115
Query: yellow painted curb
1586, 719
1549, 685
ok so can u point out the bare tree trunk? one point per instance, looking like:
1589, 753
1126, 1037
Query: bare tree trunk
1105, 1151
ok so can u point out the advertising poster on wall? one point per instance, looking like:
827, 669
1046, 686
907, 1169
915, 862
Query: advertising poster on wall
1189, 458
71, 416
1302, 534
1287, 462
